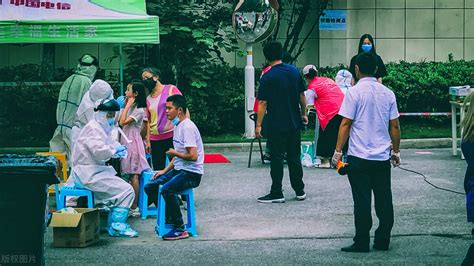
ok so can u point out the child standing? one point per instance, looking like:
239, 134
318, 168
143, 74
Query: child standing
131, 119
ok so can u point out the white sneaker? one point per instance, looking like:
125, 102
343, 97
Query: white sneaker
325, 163
301, 197
134, 212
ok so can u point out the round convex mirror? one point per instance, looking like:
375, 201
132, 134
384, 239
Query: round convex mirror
254, 20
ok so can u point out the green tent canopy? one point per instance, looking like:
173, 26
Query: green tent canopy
77, 21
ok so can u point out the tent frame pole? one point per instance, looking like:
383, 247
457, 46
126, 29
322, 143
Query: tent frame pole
121, 68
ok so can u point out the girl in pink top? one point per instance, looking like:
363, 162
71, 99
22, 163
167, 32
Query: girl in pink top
327, 101
131, 119
159, 129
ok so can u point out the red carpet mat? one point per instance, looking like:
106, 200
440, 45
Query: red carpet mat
215, 158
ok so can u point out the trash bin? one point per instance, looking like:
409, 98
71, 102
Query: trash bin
24, 185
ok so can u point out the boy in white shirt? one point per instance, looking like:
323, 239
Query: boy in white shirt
185, 169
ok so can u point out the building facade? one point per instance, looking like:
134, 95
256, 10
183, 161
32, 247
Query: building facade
409, 30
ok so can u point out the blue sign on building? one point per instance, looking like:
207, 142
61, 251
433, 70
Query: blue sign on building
333, 20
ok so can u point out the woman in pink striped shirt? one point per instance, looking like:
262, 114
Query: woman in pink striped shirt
159, 129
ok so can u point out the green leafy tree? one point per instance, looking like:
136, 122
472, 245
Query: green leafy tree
297, 15
193, 38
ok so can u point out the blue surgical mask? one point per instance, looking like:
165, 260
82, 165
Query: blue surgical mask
366, 47
175, 121
111, 121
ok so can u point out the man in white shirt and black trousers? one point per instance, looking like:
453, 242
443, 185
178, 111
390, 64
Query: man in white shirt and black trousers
370, 121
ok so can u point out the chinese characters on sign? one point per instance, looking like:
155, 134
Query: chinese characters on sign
50, 31
53, 31
333, 20
35, 31
90, 31
42, 4
16, 31
72, 31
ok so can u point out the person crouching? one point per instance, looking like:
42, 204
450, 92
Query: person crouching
94, 146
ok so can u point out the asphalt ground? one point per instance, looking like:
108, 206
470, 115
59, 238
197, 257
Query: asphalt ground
430, 224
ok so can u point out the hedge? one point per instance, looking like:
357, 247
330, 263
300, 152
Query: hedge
422, 87
28, 113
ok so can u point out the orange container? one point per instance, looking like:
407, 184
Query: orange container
62, 170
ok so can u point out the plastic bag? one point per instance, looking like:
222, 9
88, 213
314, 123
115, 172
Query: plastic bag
67, 210
306, 159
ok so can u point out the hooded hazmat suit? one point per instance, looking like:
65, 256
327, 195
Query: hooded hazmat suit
70, 95
93, 147
99, 90
343, 80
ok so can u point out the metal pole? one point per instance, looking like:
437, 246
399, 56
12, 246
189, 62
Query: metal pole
249, 93
121, 68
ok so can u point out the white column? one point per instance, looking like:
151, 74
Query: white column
249, 93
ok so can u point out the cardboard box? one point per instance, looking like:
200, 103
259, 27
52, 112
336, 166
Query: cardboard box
76, 229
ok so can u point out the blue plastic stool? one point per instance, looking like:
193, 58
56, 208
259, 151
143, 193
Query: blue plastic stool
162, 228
143, 197
66, 191
148, 159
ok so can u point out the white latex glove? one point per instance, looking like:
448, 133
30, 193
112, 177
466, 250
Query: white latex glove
336, 157
395, 159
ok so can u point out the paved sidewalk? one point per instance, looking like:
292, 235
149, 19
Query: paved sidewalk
245, 146
430, 224
405, 144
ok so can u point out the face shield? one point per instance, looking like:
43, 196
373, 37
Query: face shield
105, 113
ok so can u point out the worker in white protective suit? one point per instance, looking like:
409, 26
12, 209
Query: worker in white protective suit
93, 147
343, 80
99, 90
70, 96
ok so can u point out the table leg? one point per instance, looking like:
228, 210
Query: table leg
316, 137
454, 130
